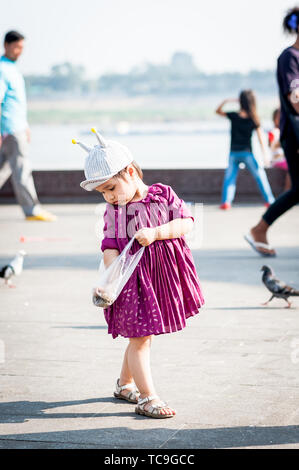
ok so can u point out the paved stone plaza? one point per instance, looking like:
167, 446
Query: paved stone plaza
232, 374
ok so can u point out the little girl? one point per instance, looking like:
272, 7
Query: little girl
164, 289
243, 123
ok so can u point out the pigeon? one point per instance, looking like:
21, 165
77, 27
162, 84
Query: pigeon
14, 268
278, 288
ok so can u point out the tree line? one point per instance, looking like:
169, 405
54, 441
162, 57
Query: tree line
180, 76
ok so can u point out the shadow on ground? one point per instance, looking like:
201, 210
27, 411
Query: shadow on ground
22, 411
186, 437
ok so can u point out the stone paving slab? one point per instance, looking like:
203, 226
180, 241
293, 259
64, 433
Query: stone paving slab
232, 374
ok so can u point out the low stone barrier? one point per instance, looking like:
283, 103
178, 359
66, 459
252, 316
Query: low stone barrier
199, 185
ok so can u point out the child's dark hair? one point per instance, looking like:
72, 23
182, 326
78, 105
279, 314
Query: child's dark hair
291, 21
13, 36
248, 104
137, 168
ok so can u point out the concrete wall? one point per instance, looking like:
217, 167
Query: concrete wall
201, 185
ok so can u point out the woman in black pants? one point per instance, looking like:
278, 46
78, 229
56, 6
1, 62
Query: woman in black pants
288, 82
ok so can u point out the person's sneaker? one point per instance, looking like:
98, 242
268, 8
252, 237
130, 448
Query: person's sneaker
225, 206
43, 216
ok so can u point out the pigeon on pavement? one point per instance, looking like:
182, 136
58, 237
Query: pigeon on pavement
14, 268
278, 288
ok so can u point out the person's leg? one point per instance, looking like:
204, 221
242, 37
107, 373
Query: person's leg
229, 182
138, 360
125, 385
138, 365
287, 182
288, 199
259, 235
22, 180
291, 197
5, 170
260, 177
126, 376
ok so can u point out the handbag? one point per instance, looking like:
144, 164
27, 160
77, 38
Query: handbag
293, 118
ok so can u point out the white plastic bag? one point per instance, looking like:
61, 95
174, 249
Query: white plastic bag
112, 279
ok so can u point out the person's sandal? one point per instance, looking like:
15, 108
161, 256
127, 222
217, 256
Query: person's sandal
131, 397
256, 245
154, 411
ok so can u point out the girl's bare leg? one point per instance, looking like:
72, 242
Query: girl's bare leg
140, 359
138, 365
125, 376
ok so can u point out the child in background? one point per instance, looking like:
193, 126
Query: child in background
164, 289
278, 158
243, 124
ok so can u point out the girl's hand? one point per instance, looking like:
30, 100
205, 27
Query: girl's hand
219, 110
146, 236
231, 100
97, 291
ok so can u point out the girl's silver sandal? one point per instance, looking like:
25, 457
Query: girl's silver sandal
154, 411
131, 396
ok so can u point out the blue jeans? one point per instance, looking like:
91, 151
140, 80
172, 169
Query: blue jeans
259, 174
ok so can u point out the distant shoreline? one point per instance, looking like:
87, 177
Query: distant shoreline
105, 110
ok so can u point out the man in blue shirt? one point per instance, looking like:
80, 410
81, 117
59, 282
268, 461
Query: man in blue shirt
15, 133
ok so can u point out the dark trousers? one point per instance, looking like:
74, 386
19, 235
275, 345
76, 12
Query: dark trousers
288, 199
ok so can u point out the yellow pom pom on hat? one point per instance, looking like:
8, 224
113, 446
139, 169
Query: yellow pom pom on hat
103, 161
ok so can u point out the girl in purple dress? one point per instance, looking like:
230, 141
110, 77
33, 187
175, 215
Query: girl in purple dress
164, 289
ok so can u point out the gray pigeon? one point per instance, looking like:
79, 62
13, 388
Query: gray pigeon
14, 268
278, 288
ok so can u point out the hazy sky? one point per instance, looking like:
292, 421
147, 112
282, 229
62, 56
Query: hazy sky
115, 35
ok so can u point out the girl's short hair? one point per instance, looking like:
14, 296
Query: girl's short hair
137, 168
291, 21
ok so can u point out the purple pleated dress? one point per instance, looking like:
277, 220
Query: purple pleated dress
164, 289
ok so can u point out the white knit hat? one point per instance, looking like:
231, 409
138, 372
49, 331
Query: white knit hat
103, 161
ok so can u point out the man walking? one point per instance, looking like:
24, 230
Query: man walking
15, 133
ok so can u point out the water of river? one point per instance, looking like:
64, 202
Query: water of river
166, 145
